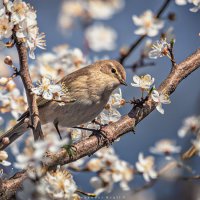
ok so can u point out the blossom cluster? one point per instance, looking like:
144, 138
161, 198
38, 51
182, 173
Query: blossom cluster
145, 84
11, 98
195, 3
56, 184
87, 11
19, 19
148, 24
191, 124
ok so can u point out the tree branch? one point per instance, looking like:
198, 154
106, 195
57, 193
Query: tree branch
124, 56
112, 131
27, 82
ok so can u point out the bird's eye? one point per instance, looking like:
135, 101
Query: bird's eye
113, 70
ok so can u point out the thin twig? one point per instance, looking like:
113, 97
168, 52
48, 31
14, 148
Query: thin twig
124, 56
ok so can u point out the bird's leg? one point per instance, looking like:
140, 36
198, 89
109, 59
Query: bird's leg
98, 123
57, 129
70, 148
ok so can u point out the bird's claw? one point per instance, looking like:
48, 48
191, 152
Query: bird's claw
100, 134
71, 150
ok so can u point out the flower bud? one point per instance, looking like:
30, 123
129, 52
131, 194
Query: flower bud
123, 51
94, 165
172, 16
8, 61
3, 155
11, 85
5, 140
3, 80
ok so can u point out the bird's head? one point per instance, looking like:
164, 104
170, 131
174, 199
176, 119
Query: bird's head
115, 72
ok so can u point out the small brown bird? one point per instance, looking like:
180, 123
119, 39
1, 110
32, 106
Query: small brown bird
89, 88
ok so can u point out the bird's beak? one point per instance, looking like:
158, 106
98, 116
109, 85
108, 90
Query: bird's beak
123, 82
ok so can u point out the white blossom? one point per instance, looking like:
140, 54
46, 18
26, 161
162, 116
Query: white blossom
181, 2
190, 124
165, 146
31, 155
159, 49
5, 27
110, 170
47, 89
160, 99
18, 8
3, 158
60, 184
103, 184
144, 82
116, 100
2, 9
38, 41
148, 24
122, 172
72, 10
196, 4
145, 165
12, 101
109, 8
109, 115
100, 37
25, 17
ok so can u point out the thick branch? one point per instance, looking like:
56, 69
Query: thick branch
90, 145
27, 82
123, 57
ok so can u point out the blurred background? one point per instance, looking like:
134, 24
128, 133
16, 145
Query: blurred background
184, 102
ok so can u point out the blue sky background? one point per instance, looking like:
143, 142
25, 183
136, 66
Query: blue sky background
185, 100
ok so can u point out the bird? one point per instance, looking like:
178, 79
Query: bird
87, 91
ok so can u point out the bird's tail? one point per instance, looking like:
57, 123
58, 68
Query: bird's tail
12, 134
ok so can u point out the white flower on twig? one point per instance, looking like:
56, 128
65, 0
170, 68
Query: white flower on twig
109, 8
39, 41
5, 27
3, 158
122, 172
159, 49
190, 124
149, 24
196, 4
181, 2
18, 8
116, 100
60, 184
100, 37
166, 147
144, 82
160, 99
146, 167
47, 89
103, 184
31, 155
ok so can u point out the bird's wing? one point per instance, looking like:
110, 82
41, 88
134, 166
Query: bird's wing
66, 83
40, 102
